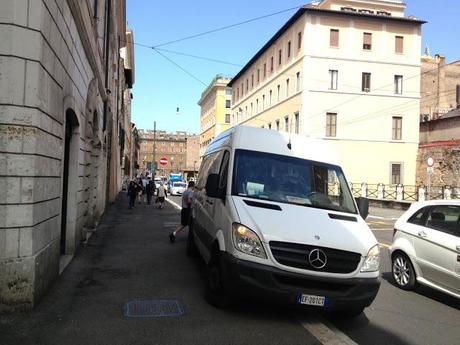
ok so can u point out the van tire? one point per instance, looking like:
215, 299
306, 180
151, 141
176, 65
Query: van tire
191, 249
216, 295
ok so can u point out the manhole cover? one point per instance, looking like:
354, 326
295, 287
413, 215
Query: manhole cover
152, 308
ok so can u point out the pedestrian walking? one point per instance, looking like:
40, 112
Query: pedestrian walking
140, 189
149, 190
161, 195
186, 212
132, 193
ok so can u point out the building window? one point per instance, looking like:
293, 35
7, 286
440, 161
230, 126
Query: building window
251, 109
258, 75
228, 91
227, 118
252, 80
278, 96
334, 38
331, 124
367, 41
398, 84
242, 89
366, 82
397, 128
278, 125
297, 81
289, 49
228, 103
279, 57
237, 93
247, 85
286, 123
263, 102
257, 105
271, 64
299, 40
269, 125
333, 76
396, 173
399, 44
287, 88
296, 123
270, 98
265, 70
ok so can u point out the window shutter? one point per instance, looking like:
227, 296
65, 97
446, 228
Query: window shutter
334, 39
367, 38
399, 44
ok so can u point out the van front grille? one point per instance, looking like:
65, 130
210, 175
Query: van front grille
297, 255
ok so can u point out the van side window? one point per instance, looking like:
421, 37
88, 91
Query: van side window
224, 171
203, 175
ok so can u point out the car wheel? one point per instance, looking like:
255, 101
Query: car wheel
215, 290
403, 272
191, 249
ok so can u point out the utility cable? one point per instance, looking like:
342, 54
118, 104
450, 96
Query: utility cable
226, 27
179, 66
199, 57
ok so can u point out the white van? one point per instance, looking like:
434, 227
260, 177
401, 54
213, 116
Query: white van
273, 217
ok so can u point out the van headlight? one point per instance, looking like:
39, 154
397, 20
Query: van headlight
372, 261
247, 241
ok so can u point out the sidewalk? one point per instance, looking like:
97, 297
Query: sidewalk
130, 258
384, 213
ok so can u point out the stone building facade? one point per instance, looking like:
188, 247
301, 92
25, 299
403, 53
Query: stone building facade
440, 139
173, 146
192, 155
439, 86
63, 92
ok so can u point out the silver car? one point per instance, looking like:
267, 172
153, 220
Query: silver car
426, 247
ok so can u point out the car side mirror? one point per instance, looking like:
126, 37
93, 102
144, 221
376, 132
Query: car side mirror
363, 206
212, 186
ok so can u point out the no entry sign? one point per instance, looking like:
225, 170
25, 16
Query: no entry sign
163, 160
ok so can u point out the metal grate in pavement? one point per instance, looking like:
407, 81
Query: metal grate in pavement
152, 308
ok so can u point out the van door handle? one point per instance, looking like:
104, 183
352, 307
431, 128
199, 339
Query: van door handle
422, 233
209, 201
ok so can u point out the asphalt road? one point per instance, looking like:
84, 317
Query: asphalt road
130, 259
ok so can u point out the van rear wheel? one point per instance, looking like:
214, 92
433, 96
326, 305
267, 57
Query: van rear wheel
216, 295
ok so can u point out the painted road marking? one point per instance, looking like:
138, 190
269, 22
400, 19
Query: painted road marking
173, 203
384, 245
382, 218
374, 222
326, 335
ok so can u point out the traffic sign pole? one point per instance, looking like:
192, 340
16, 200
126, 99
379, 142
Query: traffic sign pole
429, 171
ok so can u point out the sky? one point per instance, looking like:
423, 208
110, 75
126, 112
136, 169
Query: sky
167, 81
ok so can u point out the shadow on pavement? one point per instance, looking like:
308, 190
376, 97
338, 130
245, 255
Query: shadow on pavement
428, 292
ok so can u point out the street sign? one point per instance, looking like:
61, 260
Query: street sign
163, 160
430, 170
430, 161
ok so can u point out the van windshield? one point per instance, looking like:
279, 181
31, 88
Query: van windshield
291, 180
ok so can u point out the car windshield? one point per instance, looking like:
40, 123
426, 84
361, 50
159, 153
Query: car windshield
291, 180
179, 184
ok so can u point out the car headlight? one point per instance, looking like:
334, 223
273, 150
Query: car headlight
247, 241
372, 261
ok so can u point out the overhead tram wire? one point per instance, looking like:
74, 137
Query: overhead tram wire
179, 66
226, 27
199, 57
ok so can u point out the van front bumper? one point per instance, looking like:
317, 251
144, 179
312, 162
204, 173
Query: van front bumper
247, 278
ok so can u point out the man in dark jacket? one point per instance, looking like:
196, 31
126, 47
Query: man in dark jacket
132, 193
149, 189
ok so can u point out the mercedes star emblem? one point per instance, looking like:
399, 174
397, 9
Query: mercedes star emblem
317, 258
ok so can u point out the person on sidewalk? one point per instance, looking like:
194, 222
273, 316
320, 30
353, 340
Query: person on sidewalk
161, 194
186, 212
132, 193
149, 190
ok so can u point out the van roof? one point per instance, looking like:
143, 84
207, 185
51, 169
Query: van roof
271, 141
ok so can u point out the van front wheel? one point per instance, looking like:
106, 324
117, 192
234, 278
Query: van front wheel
215, 290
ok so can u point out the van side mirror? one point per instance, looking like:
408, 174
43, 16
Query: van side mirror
363, 206
212, 186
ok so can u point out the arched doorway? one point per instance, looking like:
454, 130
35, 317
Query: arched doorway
69, 182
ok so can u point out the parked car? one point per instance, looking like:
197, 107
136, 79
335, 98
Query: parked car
426, 247
178, 188
269, 226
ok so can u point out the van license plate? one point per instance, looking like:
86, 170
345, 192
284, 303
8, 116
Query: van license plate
312, 300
